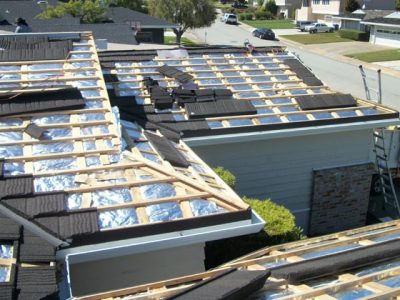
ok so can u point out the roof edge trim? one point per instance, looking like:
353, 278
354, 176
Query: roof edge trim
283, 133
32, 227
161, 241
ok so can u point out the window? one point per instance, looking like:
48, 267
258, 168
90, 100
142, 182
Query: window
305, 3
325, 2
316, 1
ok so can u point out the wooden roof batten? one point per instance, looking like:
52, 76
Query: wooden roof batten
344, 282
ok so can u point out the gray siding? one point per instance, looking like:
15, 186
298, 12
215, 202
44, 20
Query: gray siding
126, 271
281, 169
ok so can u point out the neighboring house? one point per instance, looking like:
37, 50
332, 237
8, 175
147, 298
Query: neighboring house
148, 29
124, 26
284, 134
104, 33
287, 8
113, 199
356, 264
324, 10
353, 20
385, 30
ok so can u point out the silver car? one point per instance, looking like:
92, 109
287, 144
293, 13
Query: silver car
319, 27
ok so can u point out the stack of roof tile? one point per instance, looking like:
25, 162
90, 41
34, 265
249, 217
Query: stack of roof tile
175, 73
39, 280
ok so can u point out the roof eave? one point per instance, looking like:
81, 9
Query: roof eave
161, 241
348, 18
160, 26
287, 133
380, 24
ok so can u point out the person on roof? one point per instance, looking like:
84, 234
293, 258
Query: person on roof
22, 26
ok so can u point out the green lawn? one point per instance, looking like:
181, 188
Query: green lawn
171, 40
318, 38
273, 24
384, 55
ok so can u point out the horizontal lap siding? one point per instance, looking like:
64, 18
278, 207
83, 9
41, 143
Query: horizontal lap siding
281, 169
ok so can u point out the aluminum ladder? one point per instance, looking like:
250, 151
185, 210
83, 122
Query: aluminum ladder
368, 90
391, 203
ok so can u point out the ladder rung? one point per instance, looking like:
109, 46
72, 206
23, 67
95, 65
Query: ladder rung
381, 157
386, 195
388, 187
379, 147
382, 166
377, 135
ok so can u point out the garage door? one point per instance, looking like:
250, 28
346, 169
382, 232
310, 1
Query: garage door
388, 37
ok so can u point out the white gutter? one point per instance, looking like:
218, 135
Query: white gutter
32, 227
347, 18
160, 241
284, 133
380, 24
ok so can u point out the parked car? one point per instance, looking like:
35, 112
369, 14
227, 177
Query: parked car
319, 27
301, 25
229, 18
264, 33
238, 4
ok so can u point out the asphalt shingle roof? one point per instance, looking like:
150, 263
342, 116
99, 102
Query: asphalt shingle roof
122, 15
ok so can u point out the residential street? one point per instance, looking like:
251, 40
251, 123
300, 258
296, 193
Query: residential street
340, 76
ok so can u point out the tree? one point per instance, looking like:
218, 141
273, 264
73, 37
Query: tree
271, 6
351, 5
185, 13
138, 5
398, 5
88, 11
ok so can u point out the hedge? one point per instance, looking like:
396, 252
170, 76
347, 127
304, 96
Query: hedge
263, 15
226, 176
280, 228
354, 35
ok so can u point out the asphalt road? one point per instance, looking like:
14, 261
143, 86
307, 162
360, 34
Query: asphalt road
339, 76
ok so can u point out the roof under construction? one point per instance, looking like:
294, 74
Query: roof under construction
353, 264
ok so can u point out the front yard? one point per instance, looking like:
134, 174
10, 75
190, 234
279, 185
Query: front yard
383, 55
318, 38
272, 24
171, 40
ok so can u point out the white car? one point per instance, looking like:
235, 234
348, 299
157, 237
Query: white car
229, 18
318, 27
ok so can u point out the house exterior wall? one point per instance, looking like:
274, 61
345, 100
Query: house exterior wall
333, 208
350, 24
125, 271
287, 7
311, 8
151, 35
282, 169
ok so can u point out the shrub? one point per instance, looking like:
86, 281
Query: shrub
354, 35
226, 176
242, 17
280, 223
263, 15
279, 228
249, 16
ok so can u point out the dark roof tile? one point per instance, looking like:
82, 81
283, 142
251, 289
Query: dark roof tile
167, 150
220, 108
